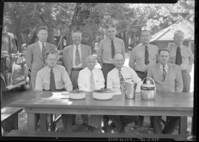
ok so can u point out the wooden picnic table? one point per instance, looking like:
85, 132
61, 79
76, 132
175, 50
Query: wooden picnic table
164, 104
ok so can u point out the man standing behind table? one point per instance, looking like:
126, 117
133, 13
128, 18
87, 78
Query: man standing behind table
167, 78
141, 58
116, 82
91, 79
182, 55
54, 77
108, 47
36, 53
74, 60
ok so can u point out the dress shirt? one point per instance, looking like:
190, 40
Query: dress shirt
84, 81
74, 56
187, 56
113, 80
137, 57
166, 67
104, 53
62, 79
40, 44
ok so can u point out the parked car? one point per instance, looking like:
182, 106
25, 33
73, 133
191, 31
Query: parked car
14, 71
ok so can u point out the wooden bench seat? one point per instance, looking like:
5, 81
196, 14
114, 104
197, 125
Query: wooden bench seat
20, 133
9, 118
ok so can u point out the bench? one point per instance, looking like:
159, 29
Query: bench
9, 118
20, 133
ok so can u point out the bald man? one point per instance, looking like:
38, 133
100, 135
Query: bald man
90, 79
116, 78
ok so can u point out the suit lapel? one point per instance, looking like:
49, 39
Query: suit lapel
38, 50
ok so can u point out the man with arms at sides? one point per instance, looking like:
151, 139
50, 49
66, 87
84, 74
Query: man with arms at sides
116, 82
74, 60
54, 77
107, 49
182, 55
142, 57
167, 78
91, 79
36, 53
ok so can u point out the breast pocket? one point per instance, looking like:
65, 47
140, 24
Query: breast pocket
152, 57
184, 55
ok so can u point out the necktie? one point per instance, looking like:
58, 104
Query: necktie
164, 72
92, 83
113, 49
43, 52
178, 57
122, 81
52, 81
77, 57
146, 61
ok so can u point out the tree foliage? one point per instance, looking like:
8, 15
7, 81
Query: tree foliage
24, 18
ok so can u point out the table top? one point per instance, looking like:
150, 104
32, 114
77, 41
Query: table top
162, 101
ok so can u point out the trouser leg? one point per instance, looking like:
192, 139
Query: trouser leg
85, 118
105, 69
128, 119
156, 122
74, 76
116, 120
186, 78
68, 120
172, 123
140, 121
96, 121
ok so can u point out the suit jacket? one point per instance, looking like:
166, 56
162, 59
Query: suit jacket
68, 56
34, 58
173, 81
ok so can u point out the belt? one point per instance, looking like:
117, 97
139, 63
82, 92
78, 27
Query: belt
140, 72
108, 64
77, 69
63, 89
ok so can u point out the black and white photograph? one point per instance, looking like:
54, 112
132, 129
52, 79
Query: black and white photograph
115, 71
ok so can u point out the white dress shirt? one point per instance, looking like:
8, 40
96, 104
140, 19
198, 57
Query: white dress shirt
74, 56
166, 67
113, 80
84, 79
40, 44
62, 79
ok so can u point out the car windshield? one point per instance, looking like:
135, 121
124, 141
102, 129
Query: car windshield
4, 45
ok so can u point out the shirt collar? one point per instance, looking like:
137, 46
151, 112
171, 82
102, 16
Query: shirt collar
118, 69
40, 43
76, 46
50, 68
110, 39
146, 45
166, 66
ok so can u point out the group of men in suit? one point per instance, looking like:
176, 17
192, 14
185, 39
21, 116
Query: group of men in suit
145, 60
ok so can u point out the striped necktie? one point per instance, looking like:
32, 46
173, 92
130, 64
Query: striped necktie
43, 52
122, 81
164, 72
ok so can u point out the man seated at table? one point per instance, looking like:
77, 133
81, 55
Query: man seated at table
168, 78
90, 79
116, 82
54, 77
